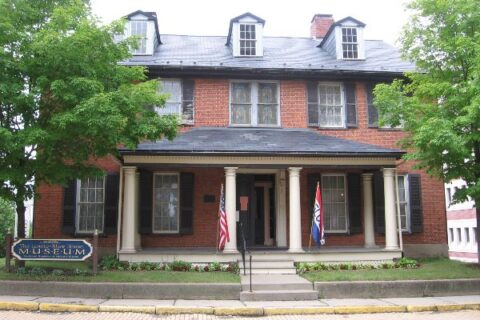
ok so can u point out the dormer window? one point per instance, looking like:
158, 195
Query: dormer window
139, 29
245, 36
349, 43
248, 40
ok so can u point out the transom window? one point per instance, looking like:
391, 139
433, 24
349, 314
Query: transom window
331, 105
248, 40
180, 99
166, 203
334, 203
139, 28
90, 204
403, 197
350, 43
254, 104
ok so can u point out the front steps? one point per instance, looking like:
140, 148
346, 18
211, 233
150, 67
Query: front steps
274, 280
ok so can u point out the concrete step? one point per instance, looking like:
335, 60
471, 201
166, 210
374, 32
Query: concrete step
270, 271
278, 295
264, 264
275, 282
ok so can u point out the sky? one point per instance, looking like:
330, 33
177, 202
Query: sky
291, 18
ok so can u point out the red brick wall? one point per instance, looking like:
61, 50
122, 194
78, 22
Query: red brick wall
293, 101
211, 102
48, 208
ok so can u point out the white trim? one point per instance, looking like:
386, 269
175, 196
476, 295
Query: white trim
155, 174
254, 84
345, 190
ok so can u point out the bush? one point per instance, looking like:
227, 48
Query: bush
111, 263
180, 266
21, 270
407, 263
58, 273
38, 271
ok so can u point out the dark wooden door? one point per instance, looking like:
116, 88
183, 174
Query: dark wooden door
246, 194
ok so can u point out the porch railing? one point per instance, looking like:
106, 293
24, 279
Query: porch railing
243, 247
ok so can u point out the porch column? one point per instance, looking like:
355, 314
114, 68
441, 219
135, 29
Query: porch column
138, 245
281, 223
391, 239
369, 233
231, 208
295, 244
129, 209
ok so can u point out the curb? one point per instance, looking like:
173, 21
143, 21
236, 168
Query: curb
234, 311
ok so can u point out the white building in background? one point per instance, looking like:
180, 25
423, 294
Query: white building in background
461, 225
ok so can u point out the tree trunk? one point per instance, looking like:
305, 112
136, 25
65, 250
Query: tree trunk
20, 219
477, 205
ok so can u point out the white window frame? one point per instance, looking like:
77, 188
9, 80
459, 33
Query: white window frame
347, 222
254, 103
78, 203
356, 44
143, 40
179, 111
407, 227
255, 40
343, 103
154, 203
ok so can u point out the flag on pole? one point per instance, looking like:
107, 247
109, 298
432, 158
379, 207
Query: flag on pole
223, 225
318, 227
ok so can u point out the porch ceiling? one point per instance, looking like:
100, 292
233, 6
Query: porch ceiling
259, 142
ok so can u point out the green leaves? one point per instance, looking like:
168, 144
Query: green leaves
440, 105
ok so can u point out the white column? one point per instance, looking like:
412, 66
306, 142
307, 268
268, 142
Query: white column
368, 223
266, 216
391, 239
231, 208
295, 211
138, 244
129, 210
281, 221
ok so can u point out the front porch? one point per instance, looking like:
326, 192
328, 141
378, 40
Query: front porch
170, 195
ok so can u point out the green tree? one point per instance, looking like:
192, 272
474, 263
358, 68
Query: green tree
7, 222
439, 106
65, 99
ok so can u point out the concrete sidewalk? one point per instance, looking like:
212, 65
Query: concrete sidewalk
238, 308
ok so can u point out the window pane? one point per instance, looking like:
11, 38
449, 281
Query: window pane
241, 93
331, 105
267, 93
267, 114
241, 114
166, 203
333, 196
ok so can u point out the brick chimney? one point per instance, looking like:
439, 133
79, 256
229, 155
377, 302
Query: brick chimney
320, 25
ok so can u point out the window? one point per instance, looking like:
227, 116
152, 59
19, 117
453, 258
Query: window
90, 204
248, 40
334, 203
403, 202
180, 100
254, 104
459, 235
474, 238
139, 29
451, 236
467, 235
349, 43
166, 203
449, 196
331, 105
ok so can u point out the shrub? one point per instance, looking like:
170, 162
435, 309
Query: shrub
408, 263
110, 263
38, 271
180, 265
215, 266
58, 273
21, 270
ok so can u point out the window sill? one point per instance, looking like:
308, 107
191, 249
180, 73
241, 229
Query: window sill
332, 128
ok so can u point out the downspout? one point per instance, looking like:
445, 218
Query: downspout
120, 212
399, 221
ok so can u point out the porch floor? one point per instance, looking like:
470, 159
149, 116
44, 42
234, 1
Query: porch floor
322, 254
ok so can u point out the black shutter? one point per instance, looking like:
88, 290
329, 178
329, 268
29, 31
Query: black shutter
111, 203
351, 105
186, 202
379, 202
145, 203
312, 101
372, 110
69, 208
312, 179
354, 203
187, 100
415, 192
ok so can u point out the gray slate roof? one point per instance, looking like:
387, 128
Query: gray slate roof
260, 141
179, 51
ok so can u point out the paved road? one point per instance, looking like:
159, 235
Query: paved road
16, 315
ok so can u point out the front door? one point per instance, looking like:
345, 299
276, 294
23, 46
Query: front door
255, 203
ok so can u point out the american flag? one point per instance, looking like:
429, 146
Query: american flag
223, 225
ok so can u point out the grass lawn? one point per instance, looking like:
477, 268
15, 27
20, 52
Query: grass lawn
438, 268
119, 276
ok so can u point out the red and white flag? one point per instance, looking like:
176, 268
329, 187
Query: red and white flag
223, 225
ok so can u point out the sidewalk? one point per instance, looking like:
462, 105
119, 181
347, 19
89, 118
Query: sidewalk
238, 308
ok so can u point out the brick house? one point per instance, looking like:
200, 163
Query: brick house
268, 117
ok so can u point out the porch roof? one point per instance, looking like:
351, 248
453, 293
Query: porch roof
260, 141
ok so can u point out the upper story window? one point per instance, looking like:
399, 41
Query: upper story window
90, 204
373, 112
248, 40
180, 100
254, 103
349, 43
139, 29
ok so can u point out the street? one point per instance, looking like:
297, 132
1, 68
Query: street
17, 315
